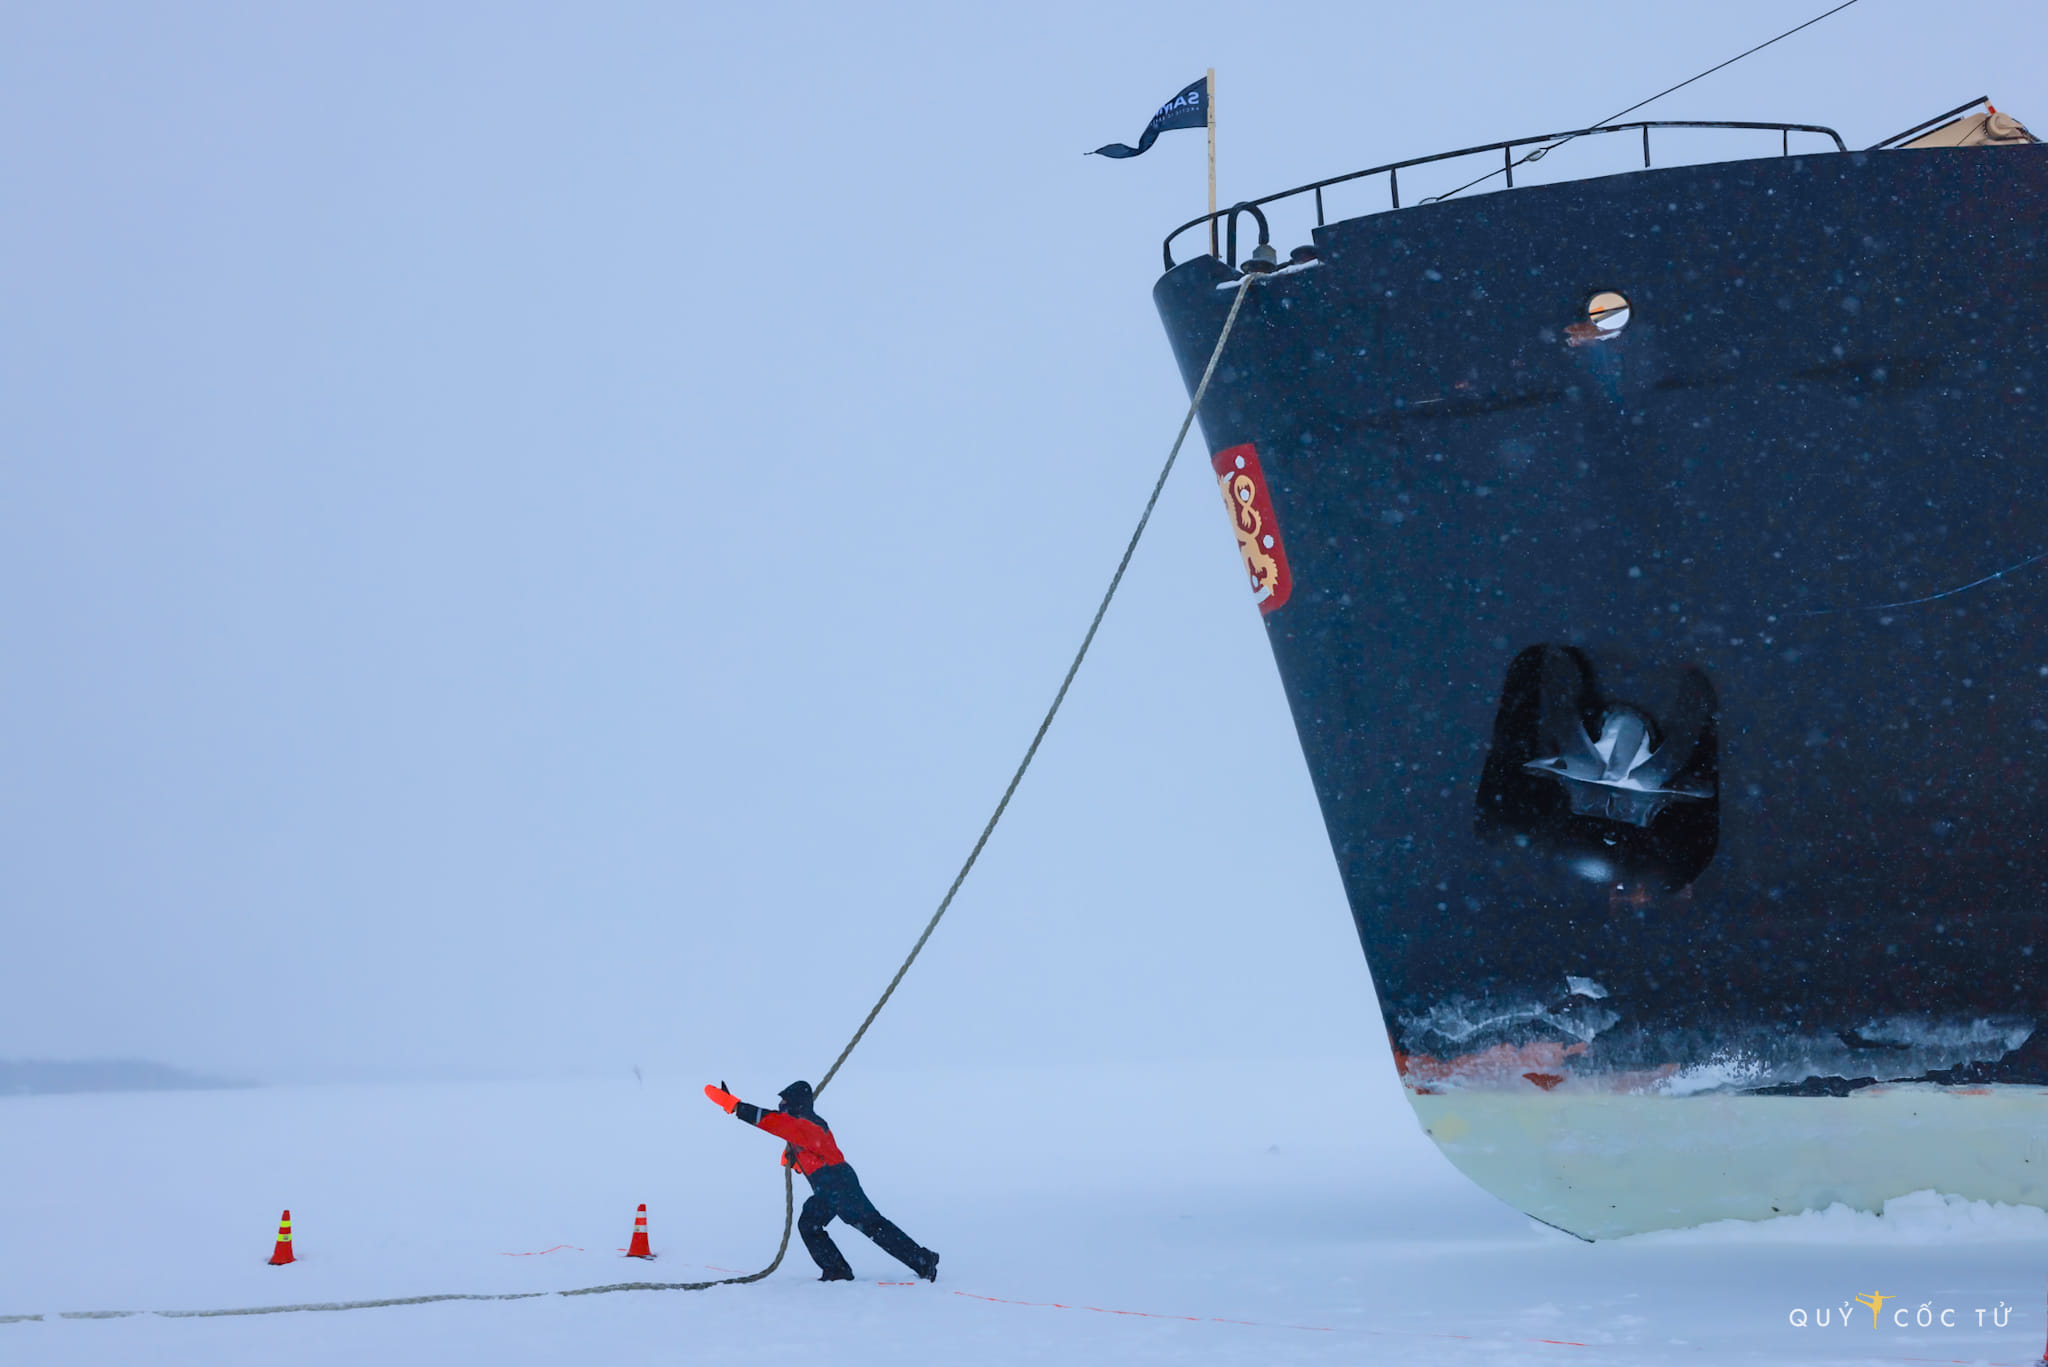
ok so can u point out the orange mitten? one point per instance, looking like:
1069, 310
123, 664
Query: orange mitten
722, 1097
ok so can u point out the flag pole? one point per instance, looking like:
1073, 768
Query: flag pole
1212, 164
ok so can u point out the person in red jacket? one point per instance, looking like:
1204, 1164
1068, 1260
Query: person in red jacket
808, 1146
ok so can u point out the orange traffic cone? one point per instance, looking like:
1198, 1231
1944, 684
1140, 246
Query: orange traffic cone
639, 1248
283, 1252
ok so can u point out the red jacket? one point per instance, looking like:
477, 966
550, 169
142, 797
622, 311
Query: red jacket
809, 1141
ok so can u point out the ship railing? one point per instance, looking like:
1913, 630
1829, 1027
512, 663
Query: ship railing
1543, 143
1937, 120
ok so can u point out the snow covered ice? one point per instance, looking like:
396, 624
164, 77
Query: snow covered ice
1229, 1212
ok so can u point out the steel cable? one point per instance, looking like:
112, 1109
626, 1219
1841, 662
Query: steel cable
1547, 148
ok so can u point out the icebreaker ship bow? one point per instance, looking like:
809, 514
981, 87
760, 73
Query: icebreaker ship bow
1651, 560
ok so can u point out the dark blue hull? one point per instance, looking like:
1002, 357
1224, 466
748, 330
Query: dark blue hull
1776, 539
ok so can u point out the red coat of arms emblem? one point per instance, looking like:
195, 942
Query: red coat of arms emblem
1251, 516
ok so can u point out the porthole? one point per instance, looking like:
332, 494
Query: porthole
1608, 311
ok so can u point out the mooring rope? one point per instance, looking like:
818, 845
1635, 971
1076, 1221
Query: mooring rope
1002, 804
1031, 751
788, 1178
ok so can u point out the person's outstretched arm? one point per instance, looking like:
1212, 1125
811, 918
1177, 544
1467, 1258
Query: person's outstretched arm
788, 1128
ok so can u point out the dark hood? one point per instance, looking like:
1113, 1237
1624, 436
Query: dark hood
796, 1101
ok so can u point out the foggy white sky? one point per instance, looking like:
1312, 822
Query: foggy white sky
530, 536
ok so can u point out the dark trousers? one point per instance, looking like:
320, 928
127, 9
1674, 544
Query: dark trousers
836, 1194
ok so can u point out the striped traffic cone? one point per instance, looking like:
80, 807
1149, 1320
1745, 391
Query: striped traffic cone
639, 1248
283, 1252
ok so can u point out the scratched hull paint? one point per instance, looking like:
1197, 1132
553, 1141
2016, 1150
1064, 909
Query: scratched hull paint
1676, 694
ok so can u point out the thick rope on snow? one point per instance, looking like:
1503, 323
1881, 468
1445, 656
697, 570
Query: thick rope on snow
328, 1305
945, 903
